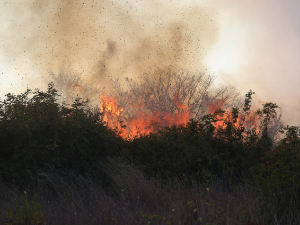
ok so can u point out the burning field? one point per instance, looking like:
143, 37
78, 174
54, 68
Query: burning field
144, 122
155, 117
138, 62
172, 98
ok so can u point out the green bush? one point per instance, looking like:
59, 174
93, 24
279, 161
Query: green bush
196, 149
276, 182
37, 132
29, 213
175, 151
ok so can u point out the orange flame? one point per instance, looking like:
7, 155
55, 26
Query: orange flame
111, 111
214, 105
144, 122
249, 121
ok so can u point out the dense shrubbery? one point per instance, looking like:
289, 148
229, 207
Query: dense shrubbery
37, 132
277, 181
197, 150
176, 151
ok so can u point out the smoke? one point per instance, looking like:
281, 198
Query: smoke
93, 42
259, 48
253, 45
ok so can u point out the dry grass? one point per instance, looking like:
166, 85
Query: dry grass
79, 200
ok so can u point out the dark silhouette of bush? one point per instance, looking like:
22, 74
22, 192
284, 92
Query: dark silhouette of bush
276, 181
176, 151
198, 151
36, 132
188, 152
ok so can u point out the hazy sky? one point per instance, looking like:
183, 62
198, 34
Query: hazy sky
262, 42
251, 44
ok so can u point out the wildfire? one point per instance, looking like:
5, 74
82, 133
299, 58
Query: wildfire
143, 123
111, 111
249, 121
214, 105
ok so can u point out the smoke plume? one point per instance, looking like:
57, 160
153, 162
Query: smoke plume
92, 42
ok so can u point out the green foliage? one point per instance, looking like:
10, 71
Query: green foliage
231, 153
198, 149
291, 132
37, 132
276, 181
267, 113
152, 218
247, 103
176, 151
28, 213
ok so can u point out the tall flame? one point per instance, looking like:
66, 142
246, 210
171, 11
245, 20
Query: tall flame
111, 111
143, 123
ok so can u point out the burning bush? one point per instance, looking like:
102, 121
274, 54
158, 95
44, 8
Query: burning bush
160, 119
175, 126
38, 133
217, 145
160, 99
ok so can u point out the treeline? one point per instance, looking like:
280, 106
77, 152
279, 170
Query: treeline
37, 133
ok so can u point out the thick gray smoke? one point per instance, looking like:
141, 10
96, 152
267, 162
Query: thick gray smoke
92, 42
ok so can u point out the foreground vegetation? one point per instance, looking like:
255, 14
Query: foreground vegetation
60, 164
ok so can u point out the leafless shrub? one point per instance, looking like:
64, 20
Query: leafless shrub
161, 90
